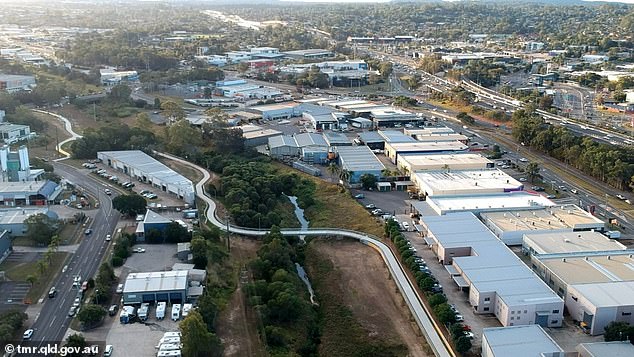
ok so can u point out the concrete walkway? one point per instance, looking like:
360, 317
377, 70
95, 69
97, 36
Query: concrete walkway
62, 248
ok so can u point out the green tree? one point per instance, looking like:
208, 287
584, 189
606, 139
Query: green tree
196, 340
172, 111
199, 249
445, 314
130, 205
368, 181
618, 331
143, 120
463, 344
76, 341
183, 137
120, 93
157, 103
437, 299
532, 171
41, 228
10, 323
91, 314
344, 175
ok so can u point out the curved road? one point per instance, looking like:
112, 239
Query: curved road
68, 127
436, 340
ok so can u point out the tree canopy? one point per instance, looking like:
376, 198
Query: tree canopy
130, 205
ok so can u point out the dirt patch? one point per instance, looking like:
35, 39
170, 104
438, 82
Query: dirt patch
236, 325
360, 275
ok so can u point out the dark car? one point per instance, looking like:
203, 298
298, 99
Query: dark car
88, 231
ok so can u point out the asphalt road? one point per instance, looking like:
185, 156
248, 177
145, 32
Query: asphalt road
53, 320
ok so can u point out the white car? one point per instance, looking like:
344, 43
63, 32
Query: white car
524, 159
139, 250
119, 289
108, 237
405, 226
27, 334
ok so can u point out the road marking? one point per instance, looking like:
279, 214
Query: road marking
52, 321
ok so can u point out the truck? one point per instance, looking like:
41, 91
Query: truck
143, 311
168, 340
169, 347
160, 310
176, 353
176, 312
186, 309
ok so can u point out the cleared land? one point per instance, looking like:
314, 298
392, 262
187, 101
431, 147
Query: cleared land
363, 311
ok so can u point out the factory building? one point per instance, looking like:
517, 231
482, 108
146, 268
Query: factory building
168, 286
518, 341
596, 305
12, 133
497, 281
394, 150
358, 161
255, 135
511, 226
451, 162
520, 200
14, 83
142, 167
26, 193
464, 182
15, 165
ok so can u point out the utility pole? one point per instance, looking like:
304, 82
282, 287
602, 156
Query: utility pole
228, 235
94, 111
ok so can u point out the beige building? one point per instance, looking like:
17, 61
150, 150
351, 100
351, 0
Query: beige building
425, 162
511, 226
393, 150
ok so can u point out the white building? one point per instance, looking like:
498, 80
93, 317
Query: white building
15, 165
603, 349
452, 162
140, 166
12, 133
511, 226
464, 182
14, 83
542, 245
238, 56
486, 203
518, 341
596, 305
497, 280
394, 150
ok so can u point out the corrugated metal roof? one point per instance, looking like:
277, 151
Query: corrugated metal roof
359, 158
519, 341
155, 281
310, 139
282, 140
153, 217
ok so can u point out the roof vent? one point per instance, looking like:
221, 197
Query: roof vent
567, 240
609, 257
563, 260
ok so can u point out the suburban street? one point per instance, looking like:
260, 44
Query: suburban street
53, 320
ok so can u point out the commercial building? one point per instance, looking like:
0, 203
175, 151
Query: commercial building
464, 182
15, 165
442, 138
511, 226
151, 221
152, 287
110, 76
395, 136
12, 133
28, 193
394, 150
390, 116
255, 135
142, 167
521, 200
12, 219
314, 53
518, 341
412, 163
358, 161
603, 349
596, 305
336, 139
283, 146
238, 56
497, 280
372, 139
313, 148
540, 245
427, 131
14, 83
245, 90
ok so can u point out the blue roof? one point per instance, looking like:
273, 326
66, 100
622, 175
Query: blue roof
48, 189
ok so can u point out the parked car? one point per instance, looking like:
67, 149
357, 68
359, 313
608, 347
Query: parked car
72, 311
370, 206
359, 196
459, 318
107, 192
113, 310
405, 226
377, 212
27, 334
119, 289
139, 250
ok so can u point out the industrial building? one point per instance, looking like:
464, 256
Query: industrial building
245, 90
283, 146
560, 271
310, 147
12, 133
518, 341
393, 150
358, 161
596, 305
603, 349
412, 163
391, 116
313, 53
521, 200
414, 132
12, 220
395, 136
510, 226
278, 111
151, 221
371, 139
14, 83
255, 135
6, 247
142, 167
110, 76
540, 245
336, 139
28, 193
15, 165
442, 138
169, 286
497, 281
464, 182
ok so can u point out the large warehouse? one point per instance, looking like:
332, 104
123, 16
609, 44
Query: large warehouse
596, 305
465, 182
169, 286
28, 193
459, 161
497, 280
518, 341
359, 160
520, 200
394, 150
142, 167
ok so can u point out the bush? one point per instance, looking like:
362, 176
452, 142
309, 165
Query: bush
117, 261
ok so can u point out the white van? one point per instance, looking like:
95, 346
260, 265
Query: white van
107, 352
176, 312
405, 226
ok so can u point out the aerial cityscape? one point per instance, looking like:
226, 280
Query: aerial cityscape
317, 178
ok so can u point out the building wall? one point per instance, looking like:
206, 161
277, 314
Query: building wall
487, 351
5, 245
154, 296
282, 151
355, 176
577, 304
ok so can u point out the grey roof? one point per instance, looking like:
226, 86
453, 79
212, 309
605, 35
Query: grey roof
606, 349
359, 158
147, 164
492, 266
610, 294
155, 281
519, 341
153, 217
282, 140
314, 109
6, 127
395, 136
333, 138
371, 137
310, 139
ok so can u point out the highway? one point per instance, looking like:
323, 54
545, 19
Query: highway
53, 320
431, 331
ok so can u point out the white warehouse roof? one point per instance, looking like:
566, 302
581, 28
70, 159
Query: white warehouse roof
519, 341
609, 294
359, 158
147, 164
465, 182
492, 202
155, 281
